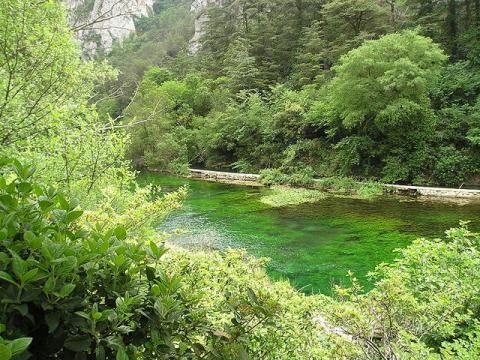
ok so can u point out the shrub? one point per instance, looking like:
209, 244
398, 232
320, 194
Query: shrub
77, 286
82, 290
302, 176
424, 303
349, 186
270, 177
285, 196
341, 185
452, 166
242, 166
370, 189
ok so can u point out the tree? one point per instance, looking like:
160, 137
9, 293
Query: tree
446, 22
380, 72
347, 23
240, 67
45, 115
310, 62
381, 91
38, 67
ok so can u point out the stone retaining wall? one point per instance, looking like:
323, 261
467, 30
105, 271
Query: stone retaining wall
224, 176
432, 191
253, 179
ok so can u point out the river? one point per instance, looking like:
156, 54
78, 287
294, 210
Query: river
312, 245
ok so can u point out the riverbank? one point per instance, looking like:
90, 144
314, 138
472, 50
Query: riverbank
313, 244
405, 190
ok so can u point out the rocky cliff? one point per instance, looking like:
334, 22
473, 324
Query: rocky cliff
98, 23
198, 7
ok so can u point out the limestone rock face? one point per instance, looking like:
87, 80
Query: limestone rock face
198, 7
98, 23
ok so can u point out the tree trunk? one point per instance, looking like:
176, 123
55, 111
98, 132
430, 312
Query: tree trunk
468, 13
452, 28
477, 12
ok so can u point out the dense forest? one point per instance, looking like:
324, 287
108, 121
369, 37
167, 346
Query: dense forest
369, 89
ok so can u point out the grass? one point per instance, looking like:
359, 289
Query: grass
348, 186
287, 196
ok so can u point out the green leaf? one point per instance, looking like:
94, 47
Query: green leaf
18, 346
119, 260
253, 298
53, 320
154, 249
156, 290
157, 251
73, 215
24, 187
29, 275
66, 290
5, 352
49, 285
122, 355
23, 171
150, 273
100, 353
120, 233
83, 314
78, 343
63, 202
19, 266
8, 201
5, 276
45, 204
22, 309
29, 236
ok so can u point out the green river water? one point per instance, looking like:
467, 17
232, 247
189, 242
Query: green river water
312, 245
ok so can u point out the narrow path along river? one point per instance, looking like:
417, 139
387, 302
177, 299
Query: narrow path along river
312, 245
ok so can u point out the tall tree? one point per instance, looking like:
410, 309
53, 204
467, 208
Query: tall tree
347, 23
45, 115
240, 67
380, 95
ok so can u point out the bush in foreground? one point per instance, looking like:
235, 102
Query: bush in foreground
77, 286
426, 305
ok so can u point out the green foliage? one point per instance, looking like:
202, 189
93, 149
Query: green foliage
45, 115
73, 287
315, 84
424, 304
158, 40
158, 76
37, 69
299, 177
273, 177
348, 23
240, 67
383, 77
162, 118
380, 96
94, 285
452, 165
349, 186
285, 196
